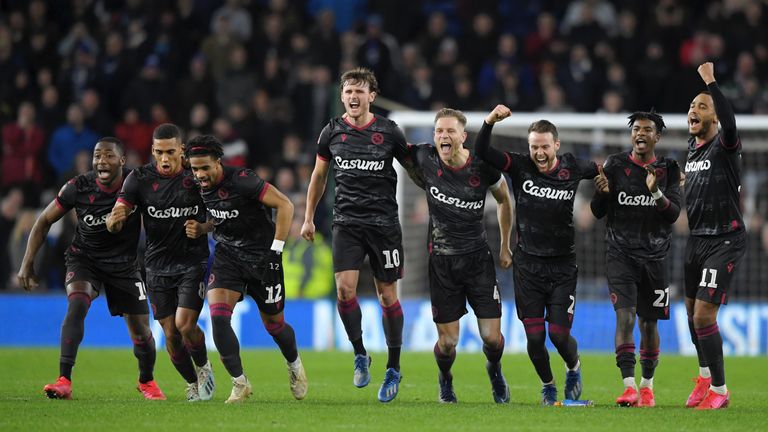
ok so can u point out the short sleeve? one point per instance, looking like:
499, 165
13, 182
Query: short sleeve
399, 144
250, 185
129, 194
67, 197
588, 168
324, 144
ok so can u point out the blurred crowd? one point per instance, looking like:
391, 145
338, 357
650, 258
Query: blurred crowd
262, 74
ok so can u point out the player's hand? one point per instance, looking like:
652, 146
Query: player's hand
682, 179
505, 258
194, 229
27, 278
498, 114
271, 268
650, 179
117, 218
308, 231
707, 72
601, 181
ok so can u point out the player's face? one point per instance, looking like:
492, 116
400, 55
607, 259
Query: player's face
108, 162
357, 98
207, 171
644, 137
543, 148
701, 115
168, 155
449, 137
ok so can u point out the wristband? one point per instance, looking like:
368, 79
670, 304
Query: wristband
277, 245
657, 195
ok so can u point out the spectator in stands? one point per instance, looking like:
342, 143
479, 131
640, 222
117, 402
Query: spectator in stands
23, 143
69, 139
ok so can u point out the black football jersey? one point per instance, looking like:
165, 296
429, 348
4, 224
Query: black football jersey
243, 226
635, 225
361, 158
166, 203
456, 199
93, 204
713, 177
543, 201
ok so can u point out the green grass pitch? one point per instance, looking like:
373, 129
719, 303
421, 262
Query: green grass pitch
105, 398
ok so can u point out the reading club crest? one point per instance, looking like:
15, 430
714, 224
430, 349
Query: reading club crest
564, 174
377, 138
223, 194
474, 180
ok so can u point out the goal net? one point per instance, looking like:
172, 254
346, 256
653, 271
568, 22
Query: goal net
594, 136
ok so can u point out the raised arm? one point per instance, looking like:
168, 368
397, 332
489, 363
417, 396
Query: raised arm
483, 149
27, 277
723, 108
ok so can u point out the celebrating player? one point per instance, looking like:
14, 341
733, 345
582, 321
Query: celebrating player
170, 203
97, 261
718, 240
241, 204
461, 267
360, 145
640, 194
544, 185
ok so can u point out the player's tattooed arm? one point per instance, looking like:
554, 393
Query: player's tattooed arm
497, 159
27, 276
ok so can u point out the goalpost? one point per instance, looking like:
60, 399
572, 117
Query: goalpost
594, 136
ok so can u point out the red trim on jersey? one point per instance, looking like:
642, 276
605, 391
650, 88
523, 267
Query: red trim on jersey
59, 204
727, 147
324, 159
263, 191
116, 186
181, 169
455, 169
557, 164
359, 127
509, 161
638, 163
126, 203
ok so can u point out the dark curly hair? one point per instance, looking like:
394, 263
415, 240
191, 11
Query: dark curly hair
648, 115
204, 145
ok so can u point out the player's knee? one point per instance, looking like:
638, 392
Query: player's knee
559, 334
625, 320
345, 291
274, 325
490, 337
648, 325
447, 343
186, 327
387, 299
